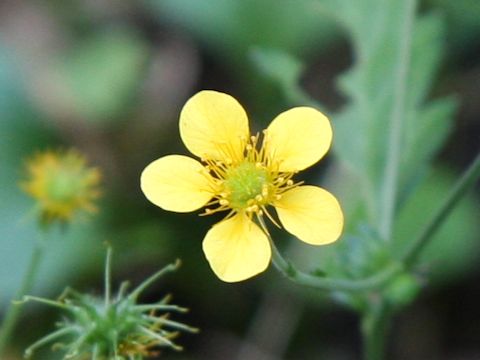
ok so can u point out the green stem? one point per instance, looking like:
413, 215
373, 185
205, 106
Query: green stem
13, 312
467, 180
305, 279
375, 326
389, 188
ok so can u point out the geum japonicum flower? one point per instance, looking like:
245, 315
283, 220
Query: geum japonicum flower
62, 184
244, 175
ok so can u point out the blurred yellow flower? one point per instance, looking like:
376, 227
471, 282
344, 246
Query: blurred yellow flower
239, 175
62, 184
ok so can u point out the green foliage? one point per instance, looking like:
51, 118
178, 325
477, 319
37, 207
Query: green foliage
363, 141
232, 27
462, 17
363, 127
103, 73
455, 249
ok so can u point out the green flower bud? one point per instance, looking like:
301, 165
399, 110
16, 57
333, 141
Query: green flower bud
402, 290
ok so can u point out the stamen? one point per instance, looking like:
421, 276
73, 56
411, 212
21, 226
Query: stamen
262, 224
270, 217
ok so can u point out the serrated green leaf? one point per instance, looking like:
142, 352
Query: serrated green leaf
363, 127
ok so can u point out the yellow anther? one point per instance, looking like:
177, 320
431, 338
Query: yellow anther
259, 198
249, 147
265, 191
258, 165
281, 179
253, 208
290, 182
224, 202
278, 197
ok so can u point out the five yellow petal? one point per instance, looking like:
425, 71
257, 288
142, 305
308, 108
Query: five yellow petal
310, 213
237, 249
298, 138
176, 183
214, 126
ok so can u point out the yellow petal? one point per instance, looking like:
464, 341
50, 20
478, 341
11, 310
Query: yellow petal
214, 126
298, 138
237, 249
177, 183
311, 213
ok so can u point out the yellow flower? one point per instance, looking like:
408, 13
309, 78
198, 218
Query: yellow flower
62, 184
240, 175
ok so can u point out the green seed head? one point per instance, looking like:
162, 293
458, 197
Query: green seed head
112, 327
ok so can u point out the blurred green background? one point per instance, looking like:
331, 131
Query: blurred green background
110, 77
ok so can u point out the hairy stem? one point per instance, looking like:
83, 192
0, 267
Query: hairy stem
306, 279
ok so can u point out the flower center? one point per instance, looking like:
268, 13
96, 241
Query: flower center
246, 184
63, 186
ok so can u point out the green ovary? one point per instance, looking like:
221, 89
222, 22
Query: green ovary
244, 183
